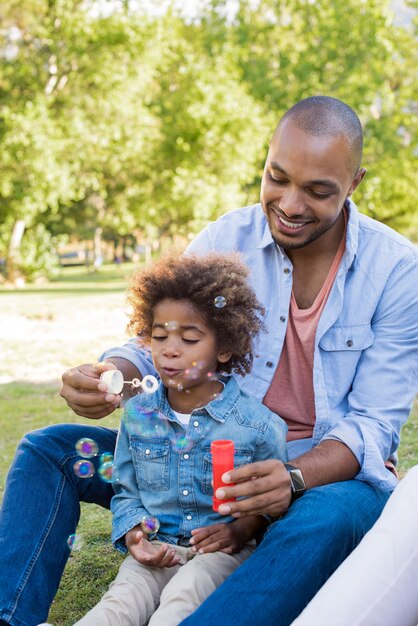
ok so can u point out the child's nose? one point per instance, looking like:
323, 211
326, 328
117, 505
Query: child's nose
172, 347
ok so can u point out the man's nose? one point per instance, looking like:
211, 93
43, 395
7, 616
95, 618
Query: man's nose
292, 202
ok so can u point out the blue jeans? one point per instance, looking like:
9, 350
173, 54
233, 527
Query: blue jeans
40, 509
297, 555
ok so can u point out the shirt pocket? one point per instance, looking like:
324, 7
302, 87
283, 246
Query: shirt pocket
151, 459
241, 457
341, 348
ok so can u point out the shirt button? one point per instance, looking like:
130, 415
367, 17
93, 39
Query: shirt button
286, 270
185, 492
185, 456
189, 517
282, 318
196, 424
349, 343
269, 364
147, 451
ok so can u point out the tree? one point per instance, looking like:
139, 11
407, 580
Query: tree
348, 49
125, 120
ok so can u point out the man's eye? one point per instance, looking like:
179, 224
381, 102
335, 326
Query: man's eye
320, 196
278, 181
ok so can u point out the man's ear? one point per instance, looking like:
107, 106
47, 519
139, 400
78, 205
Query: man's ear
356, 181
223, 356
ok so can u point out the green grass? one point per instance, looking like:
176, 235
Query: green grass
58, 325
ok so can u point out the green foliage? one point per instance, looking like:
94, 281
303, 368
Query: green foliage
131, 120
36, 256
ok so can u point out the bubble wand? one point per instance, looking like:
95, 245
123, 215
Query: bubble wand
114, 381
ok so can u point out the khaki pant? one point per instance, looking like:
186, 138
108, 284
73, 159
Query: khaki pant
137, 591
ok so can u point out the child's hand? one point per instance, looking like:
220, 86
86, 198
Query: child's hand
146, 553
228, 538
216, 538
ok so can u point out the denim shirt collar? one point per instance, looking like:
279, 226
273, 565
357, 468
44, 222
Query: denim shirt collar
351, 239
218, 409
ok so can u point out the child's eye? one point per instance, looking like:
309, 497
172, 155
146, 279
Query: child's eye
190, 340
158, 337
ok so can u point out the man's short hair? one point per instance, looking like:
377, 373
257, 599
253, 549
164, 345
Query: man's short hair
322, 116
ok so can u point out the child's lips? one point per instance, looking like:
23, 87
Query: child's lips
169, 371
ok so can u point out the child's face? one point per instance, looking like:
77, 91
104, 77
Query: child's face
183, 346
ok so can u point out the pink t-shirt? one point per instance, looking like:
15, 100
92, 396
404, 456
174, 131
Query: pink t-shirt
291, 393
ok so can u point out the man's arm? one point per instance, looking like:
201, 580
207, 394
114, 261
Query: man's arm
329, 462
266, 485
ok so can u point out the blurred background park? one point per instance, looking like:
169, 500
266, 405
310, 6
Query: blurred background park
126, 126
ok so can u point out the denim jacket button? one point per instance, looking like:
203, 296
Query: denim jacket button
189, 517
269, 364
196, 424
147, 451
349, 343
286, 270
282, 318
185, 456
185, 492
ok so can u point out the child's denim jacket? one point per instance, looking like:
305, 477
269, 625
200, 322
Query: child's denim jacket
164, 470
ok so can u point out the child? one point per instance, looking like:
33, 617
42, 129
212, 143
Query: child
199, 317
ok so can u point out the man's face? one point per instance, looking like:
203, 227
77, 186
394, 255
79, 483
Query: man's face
305, 182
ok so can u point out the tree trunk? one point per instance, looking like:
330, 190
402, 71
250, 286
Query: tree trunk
15, 240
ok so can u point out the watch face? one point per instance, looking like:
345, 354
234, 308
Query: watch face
298, 484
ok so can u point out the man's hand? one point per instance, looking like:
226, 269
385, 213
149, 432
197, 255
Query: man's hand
146, 553
228, 538
264, 485
85, 394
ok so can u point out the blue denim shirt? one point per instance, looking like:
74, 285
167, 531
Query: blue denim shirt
365, 369
173, 483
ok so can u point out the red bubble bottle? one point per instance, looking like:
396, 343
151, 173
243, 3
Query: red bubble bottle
222, 461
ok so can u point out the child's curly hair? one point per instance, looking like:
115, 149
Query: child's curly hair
200, 280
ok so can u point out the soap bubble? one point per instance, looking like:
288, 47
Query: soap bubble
150, 524
87, 448
172, 325
144, 422
192, 373
105, 472
219, 302
84, 469
181, 443
75, 542
106, 457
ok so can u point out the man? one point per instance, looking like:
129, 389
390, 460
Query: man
338, 362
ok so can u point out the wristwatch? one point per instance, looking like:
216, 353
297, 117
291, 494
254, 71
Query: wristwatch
296, 481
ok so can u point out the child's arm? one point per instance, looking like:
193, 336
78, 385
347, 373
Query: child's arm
228, 538
126, 504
